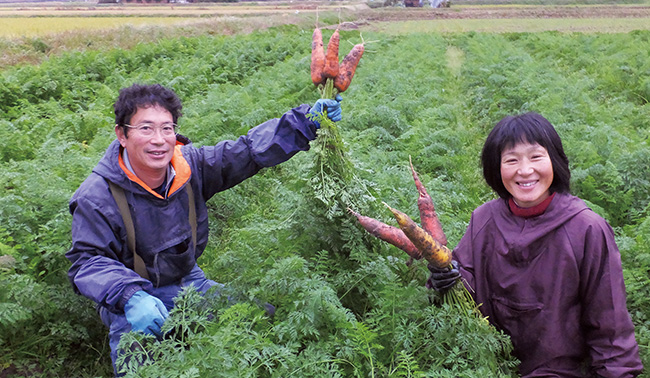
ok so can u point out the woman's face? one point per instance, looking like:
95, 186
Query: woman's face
527, 173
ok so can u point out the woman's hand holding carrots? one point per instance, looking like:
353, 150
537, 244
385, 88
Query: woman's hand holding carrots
442, 280
428, 242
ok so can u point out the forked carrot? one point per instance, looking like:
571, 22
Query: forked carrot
428, 217
332, 56
434, 252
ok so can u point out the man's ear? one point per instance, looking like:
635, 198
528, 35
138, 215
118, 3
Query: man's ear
119, 132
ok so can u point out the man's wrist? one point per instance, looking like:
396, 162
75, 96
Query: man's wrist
127, 294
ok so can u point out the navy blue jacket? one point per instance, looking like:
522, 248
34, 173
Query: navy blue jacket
102, 265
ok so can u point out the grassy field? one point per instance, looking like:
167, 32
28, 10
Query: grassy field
42, 26
167, 10
43, 19
48, 19
342, 298
31, 32
512, 25
15, 27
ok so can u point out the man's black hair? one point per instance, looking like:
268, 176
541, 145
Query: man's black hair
139, 96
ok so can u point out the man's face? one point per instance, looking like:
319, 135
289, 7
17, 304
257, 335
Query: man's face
149, 155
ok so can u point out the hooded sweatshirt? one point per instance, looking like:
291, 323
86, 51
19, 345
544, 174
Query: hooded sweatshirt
102, 264
554, 283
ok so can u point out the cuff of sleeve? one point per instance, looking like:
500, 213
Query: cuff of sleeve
127, 294
311, 123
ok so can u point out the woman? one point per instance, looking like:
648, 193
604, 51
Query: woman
544, 266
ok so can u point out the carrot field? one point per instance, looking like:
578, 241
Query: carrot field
348, 304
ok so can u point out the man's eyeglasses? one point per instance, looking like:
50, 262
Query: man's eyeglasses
148, 129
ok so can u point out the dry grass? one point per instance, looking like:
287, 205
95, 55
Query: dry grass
35, 31
53, 9
32, 49
571, 25
32, 31
41, 26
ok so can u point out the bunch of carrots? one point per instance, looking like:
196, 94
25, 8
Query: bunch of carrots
428, 242
331, 78
326, 71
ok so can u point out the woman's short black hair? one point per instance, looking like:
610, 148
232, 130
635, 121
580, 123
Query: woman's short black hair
139, 96
532, 128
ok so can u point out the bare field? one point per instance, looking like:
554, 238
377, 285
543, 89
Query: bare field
498, 19
509, 12
32, 27
41, 19
511, 25
167, 10
37, 19
29, 32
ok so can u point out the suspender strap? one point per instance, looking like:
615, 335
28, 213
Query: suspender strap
192, 214
122, 204
120, 198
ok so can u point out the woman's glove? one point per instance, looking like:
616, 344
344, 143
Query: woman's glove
333, 108
145, 313
442, 280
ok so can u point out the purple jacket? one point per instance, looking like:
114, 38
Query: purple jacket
554, 283
101, 261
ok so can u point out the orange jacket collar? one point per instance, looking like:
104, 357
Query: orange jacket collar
182, 168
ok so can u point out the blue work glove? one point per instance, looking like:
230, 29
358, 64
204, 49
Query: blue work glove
145, 313
333, 108
442, 280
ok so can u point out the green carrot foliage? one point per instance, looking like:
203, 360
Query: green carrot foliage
347, 304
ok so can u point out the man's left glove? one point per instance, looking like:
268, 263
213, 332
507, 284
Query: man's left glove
333, 108
145, 313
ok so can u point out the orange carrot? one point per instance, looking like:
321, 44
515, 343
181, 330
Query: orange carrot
428, 217
435, 253
389, 234
332, 56
348, 67
317, 58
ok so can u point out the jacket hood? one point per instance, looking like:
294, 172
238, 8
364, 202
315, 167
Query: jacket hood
520, 234
109, 168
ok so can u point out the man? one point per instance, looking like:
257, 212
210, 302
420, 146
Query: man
140, 220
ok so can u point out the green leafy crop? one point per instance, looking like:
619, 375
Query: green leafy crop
347, 304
